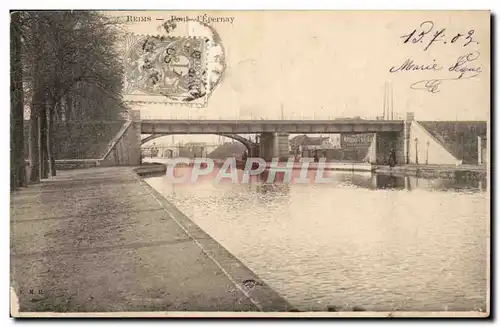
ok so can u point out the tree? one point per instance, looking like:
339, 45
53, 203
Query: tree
72, 72
17, 166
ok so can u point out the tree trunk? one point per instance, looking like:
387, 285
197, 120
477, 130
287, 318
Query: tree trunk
50, 142
14, 181
69, 106
33, 146
37, 103
44, 167
77, 101
17, 168
39, 145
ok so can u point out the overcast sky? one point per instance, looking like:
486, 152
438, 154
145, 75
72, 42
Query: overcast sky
331, 64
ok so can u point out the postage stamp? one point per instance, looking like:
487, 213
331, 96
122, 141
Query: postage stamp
182, 65
215, 52
167, 69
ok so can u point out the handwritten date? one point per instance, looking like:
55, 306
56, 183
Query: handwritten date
427, 34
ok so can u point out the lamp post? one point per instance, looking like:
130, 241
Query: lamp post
427, 153
416, 151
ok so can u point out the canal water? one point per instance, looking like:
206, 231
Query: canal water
376, 242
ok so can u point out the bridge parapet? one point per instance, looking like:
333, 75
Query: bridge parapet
167, 126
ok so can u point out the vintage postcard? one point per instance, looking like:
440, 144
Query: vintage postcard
250, 163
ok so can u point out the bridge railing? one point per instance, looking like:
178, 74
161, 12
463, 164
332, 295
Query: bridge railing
86, 163
293, 117
117, 138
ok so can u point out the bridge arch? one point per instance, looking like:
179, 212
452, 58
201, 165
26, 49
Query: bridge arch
251, 146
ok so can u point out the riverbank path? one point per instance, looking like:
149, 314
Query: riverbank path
102, 240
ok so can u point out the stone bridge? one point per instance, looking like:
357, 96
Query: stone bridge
273, 134
169, 126
426, 144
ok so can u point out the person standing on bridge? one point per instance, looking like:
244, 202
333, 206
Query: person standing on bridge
392, 158
316, 157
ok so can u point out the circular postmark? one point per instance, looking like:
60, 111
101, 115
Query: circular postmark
182, 65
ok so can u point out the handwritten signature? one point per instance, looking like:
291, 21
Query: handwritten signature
427, 34
463, 66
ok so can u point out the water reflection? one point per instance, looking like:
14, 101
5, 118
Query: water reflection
397, 182
377, 241
264, 192
277, 189
390, 182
